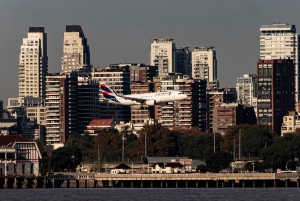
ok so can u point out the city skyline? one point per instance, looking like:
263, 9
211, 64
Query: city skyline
123, 31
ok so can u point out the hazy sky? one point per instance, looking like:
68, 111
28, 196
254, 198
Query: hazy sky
119, 29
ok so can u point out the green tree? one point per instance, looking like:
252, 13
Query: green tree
160, 142
218, 161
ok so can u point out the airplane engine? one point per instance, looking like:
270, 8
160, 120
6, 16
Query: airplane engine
150, 102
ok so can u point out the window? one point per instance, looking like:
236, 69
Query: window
23, 168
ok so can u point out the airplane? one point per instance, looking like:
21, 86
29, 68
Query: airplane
149, 99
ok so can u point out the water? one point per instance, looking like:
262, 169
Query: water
159, 194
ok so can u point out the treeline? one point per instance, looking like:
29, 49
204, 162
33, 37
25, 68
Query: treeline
257, 142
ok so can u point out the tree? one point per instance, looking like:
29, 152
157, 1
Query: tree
218, 161
160, 142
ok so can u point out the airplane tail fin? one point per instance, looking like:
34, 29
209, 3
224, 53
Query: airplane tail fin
108, 93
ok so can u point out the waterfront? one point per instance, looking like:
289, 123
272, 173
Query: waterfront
109, 194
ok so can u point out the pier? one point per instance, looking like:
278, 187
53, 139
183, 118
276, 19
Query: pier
194, 180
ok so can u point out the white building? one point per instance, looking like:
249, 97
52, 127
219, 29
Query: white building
246, 89
280, 41
33, 63
162, 55
290, 123
76, 52
18, 156
204, 63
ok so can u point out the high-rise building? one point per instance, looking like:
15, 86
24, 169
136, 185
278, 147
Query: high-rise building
87, 102
246, 89
204, 63
118, 79
199, 104
76, 52
231, 114
183, 60
280, 41
275, 91
33, 63
162, 55
61, 107
139, 115
176, 113
216, 97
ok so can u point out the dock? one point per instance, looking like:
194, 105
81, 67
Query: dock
193, 180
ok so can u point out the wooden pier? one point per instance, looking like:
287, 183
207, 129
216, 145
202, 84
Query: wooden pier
195, 180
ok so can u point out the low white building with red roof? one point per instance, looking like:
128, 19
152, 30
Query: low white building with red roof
100, 124
18, 156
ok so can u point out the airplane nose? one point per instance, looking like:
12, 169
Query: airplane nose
185, 96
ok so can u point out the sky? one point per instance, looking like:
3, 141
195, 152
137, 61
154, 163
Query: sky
122, 30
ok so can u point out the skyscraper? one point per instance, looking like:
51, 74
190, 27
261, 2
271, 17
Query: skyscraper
275, 91
183, 60
280, 41
162, 55
246, 89
204, 63
76, 52
33, 63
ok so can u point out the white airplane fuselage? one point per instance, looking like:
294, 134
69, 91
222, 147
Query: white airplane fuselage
150, 98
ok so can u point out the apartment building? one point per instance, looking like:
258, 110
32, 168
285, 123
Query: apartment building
118, 79
246, 89
61, 107
275, 91
290, 123
281, 41
232, 114
76, 52
199, 104
33, 63
183, 61
216, 97
88, 107
140, 115
162, 55
176, 113
204, 63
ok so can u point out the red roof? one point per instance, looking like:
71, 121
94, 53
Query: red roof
101, 122
8, 140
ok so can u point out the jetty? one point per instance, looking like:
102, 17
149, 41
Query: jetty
188, 180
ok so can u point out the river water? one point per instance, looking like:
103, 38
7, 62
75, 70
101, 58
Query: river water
107, 194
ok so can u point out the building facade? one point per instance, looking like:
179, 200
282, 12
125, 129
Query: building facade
204, 63
290, 123
216, 97
281, 41
61, 107
33, 63
275, 91
232, 114
18, 156
118, 79
246, 89
183, 60
162, 55
176, 113
199, 104
76, 52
